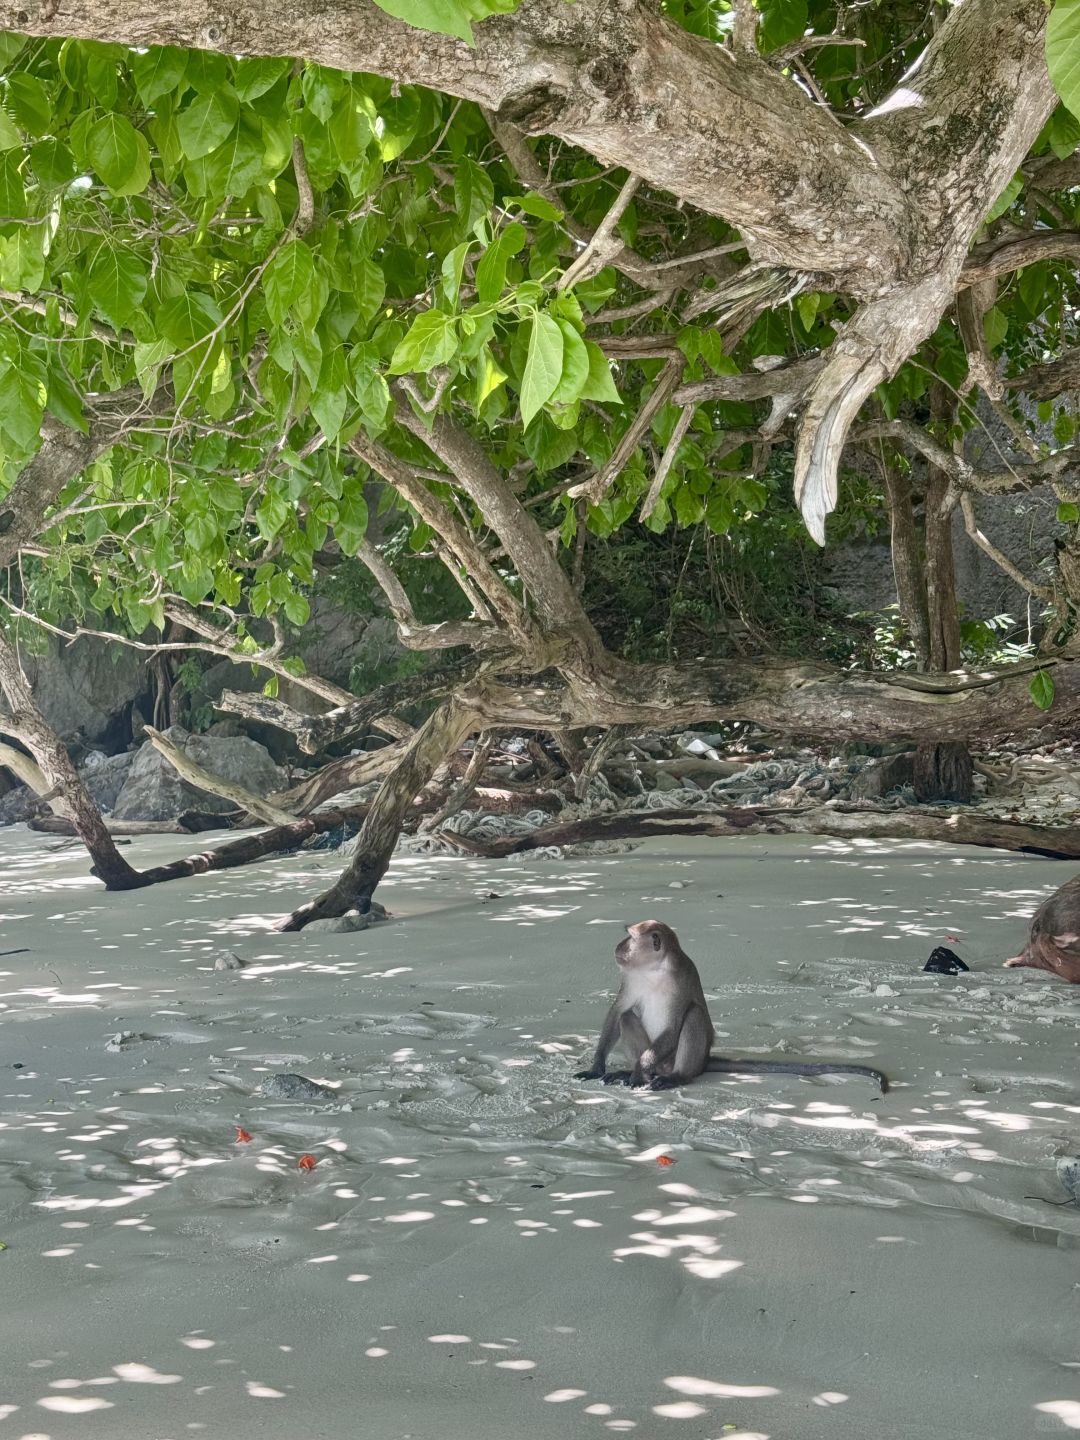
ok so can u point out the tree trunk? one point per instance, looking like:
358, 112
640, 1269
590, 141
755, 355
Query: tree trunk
31, 727
1057, 842
943, 772
907, 573
439, 737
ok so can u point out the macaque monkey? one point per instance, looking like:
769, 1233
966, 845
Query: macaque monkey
1053, 942
661, 1016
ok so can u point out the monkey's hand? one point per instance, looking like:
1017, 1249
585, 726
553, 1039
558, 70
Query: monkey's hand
589, 1075
665, 1082
619, 1077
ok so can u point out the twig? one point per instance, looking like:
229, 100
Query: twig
605, 244
596, 487
652, 499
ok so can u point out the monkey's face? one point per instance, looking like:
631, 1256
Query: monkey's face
644, 946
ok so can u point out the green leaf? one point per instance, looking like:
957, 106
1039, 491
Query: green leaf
116, 282
1041, 690
22, 263
297, 609
9, 135
1068, 513
207, 122
12, 188
1063, 132
252, 78
444, 17
64, 401
575, 366
351, 524
781, 22
430, 340
22, 402
329, 398
271, 515
491, 271
534, 204
369, 287
119, 154
287, 277
158, 72
1006, 198
543, 366
29, 100
188, 318
599, 385
1063, 53
474, 194
807, 305
452, 268
995, 326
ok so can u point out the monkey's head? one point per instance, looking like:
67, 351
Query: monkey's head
647, 943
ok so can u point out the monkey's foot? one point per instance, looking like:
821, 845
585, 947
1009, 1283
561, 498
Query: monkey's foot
588, 1075
619, 1077
1015, 961
666, 1082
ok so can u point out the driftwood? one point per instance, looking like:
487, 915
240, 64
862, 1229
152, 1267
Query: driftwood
202, 779
1059, 842
61, 825
254, 847
339, 775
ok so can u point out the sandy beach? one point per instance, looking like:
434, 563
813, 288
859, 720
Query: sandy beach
488, 1248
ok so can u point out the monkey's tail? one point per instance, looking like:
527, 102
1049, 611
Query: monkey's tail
793, 1067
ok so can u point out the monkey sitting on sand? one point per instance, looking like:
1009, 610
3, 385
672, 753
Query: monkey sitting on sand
661, 1016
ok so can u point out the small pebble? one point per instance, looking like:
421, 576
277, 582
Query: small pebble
228, 960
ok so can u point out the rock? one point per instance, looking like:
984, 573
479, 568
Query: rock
227, 960
678, 884
351, 920
1068, 1171
944, 961
86, 688
878, 779
340, 924
105, 776
665, 781
154, 791
884, 990
121, 1039
294, 1087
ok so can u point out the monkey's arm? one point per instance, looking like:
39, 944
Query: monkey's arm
608, 1035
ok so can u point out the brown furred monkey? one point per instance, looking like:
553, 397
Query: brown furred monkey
662, 1018
1053, 941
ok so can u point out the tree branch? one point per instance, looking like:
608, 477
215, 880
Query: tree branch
616, 77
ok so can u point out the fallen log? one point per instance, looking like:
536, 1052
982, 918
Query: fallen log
61, 825
254, 847
1058, 842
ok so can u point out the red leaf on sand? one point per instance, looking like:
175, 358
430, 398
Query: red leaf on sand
664, 1160
242, 1135
306, 1162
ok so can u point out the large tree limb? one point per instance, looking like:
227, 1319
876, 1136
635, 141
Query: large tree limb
787, 698
1059, 842
616, 77
58, 769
